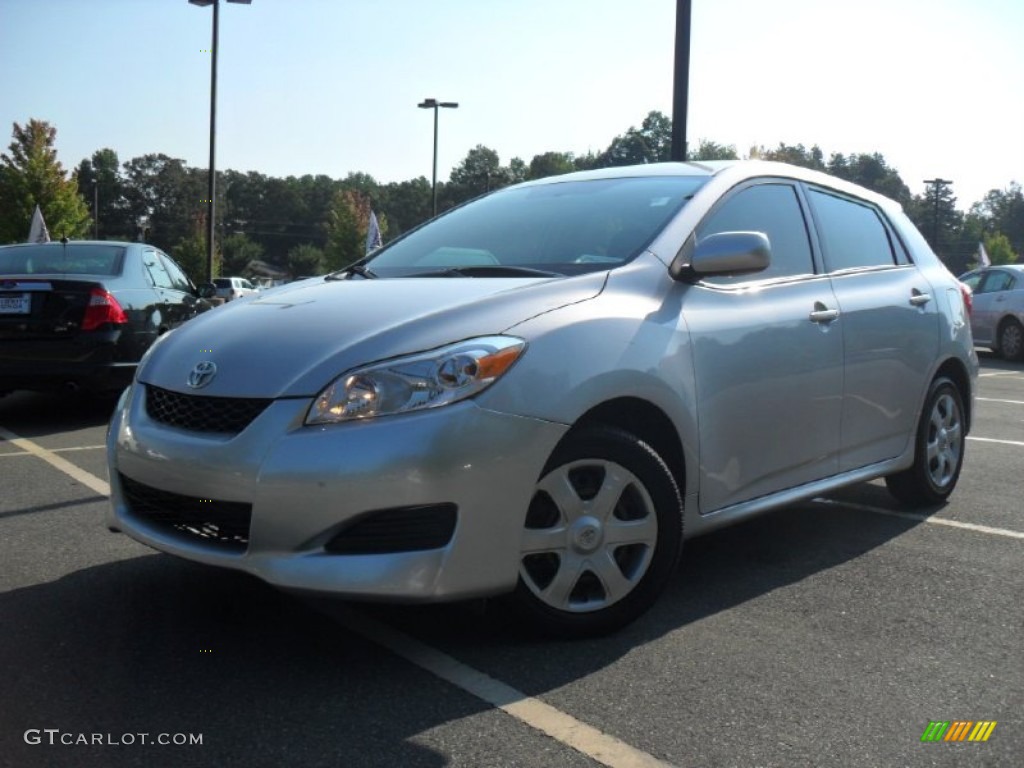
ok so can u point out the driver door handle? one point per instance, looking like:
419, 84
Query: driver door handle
822, 314
919, 299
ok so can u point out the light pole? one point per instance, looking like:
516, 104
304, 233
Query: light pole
212, 187
434, 104
95, 209
681, 86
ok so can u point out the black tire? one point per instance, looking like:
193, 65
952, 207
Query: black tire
938, 449
597, 557
1011, 340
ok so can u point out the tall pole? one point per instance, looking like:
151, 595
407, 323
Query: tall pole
433, 194
681, 87
434, 104
95, 209
211, 206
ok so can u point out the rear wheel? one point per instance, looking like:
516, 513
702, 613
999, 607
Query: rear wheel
601, 537
1011, 340
939, 449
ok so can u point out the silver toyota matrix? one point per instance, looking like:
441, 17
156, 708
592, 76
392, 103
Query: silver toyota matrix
541, 393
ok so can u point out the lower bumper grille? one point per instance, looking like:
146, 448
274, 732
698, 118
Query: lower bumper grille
224, 524
405, 529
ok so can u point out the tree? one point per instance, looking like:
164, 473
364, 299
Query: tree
1002, 210
347, 223
712, 150
190, 253
796, 154
104, 169
166, 198
650, 143
406, 203
478, 172
305, 259
999, 249
237, 251
31, 175
870, 171
550, 164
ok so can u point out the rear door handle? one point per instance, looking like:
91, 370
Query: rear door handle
822, 314
919, 299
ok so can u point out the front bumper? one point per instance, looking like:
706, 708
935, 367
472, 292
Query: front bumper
304, 482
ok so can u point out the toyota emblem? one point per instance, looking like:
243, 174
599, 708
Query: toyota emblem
202, 374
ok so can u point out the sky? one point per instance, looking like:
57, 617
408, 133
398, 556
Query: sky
331, 86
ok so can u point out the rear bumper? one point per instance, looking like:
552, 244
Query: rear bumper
100, 360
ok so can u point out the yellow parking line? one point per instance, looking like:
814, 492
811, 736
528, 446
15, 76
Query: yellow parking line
87, 479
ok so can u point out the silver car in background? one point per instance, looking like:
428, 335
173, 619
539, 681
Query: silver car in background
997, 320
540, 393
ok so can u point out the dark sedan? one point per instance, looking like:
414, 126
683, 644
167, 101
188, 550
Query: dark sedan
80, 315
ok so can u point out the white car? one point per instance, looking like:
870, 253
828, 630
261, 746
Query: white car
229, 288
997, 321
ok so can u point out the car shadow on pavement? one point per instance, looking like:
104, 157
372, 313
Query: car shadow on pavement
157, 645
32, 415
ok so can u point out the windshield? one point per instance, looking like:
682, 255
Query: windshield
54, 258
565, 227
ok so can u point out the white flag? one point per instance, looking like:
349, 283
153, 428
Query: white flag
37, 231
983, 259
373, 239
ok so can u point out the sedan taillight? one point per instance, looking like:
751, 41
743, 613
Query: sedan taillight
965, 291
102, 309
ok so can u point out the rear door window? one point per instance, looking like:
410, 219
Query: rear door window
852, 233
156, 270
997, 280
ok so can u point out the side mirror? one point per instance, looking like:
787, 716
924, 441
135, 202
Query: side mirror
206, 291
722, 254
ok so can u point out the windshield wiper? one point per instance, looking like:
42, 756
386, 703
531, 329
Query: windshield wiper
487, 270
353, 269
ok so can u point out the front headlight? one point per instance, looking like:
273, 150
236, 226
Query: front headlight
425, 380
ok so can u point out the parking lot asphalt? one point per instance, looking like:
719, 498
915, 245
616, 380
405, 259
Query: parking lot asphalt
831, 632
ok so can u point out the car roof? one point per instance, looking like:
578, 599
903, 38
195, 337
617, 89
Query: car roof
738, 170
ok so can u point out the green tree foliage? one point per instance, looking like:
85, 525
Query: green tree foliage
650, 143
794, 154
551, 164
167, 197
237, 251
101, 177
190, 253
870, 171
406, 203
31, 175
999, 250
712, 150
304, 260
478, 172
347, 222
1002, 210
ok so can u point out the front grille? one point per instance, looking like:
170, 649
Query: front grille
202, 414
222, 523
404, 529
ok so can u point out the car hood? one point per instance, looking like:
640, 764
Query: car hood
294, 340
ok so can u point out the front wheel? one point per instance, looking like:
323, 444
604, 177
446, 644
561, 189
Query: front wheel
939, 449
601, 537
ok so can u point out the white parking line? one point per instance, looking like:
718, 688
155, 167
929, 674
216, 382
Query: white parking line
996, 400
925, 519
87, 479
994, 440
595, 744
998, 373
562, 727
56, 450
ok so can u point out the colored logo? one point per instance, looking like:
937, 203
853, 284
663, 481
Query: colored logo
958, 730
202, 374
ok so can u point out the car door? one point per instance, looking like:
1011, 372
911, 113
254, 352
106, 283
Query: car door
990, 304
889, 323
768, 360
166, 313
182, 294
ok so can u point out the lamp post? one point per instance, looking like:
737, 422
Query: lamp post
681, 86
434, 104
212, 186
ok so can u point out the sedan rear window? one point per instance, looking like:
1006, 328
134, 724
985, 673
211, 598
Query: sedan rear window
55, 258
567, 227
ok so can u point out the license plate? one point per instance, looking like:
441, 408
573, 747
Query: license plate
15, 303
